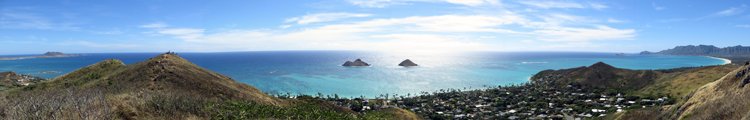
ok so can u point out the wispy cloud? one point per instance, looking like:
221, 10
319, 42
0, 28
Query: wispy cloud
598, 6
154, 25
657, 7
612, 20
730, 11
585, 34
386, 3
551, 4
90, 44
375, 3
743, 26
474, 2
181, 33
324, 17
457, 32
25, 20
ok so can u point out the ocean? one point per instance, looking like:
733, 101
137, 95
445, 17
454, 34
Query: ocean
313, 72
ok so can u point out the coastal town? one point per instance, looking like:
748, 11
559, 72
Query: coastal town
525, 101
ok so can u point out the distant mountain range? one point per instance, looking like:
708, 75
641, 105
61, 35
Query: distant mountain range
710, 50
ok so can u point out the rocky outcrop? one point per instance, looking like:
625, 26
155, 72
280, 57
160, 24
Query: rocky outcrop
357, 62
407, 63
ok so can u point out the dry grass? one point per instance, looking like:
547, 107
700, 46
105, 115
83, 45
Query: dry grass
72, 103
722, 99
679, 84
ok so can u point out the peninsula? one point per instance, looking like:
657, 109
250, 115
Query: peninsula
45, 55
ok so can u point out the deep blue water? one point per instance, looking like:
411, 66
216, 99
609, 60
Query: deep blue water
312, 72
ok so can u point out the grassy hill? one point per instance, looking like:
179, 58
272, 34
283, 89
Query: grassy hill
679, 83
721, 99
164, 87
598, 75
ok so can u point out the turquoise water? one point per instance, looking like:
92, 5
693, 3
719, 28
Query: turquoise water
312, 72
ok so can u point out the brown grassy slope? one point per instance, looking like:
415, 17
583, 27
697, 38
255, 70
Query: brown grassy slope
725, 98
392, 113
678, 84
169, 73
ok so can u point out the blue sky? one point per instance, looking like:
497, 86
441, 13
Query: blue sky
101, 26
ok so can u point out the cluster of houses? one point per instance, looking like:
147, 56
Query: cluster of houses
509, 102
524, 102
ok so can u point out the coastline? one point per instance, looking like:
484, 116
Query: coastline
726, 61
35, 57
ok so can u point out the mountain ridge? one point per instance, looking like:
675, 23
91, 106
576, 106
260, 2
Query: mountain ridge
737, 54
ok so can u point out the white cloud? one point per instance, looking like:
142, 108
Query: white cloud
98, 45
415, 33
726, 12
657, 7
374, 3
386, 3
612, 20
551, 4
324, 17
154, 25
474, 2
585, 34
181, 33
730, 11
23, 20
598, 6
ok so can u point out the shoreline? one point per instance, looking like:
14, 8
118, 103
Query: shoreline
36, 57
726, 61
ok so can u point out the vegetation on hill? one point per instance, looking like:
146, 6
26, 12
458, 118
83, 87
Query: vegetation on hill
599, 75
163, 87
707, 50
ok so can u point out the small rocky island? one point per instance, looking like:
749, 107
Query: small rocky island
407, 63
357, 62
